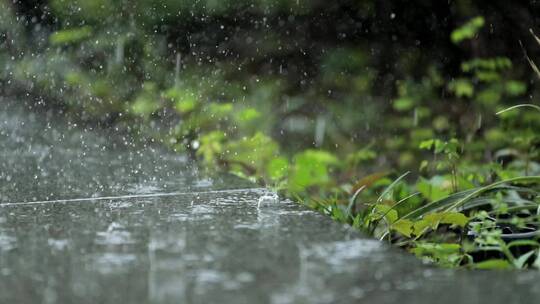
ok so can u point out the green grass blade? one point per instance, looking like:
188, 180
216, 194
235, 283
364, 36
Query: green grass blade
352, 201
480, 190
391, 186
436, 205
524, 105
457, 200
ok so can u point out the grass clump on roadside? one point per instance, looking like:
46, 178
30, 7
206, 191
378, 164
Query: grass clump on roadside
455, 213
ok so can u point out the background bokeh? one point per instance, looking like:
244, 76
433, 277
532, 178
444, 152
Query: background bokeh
364, 80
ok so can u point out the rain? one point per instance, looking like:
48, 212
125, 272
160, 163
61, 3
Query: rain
269, 151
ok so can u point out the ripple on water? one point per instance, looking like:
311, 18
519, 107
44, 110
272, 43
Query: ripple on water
202, 210
113, 262
120, 204
7, 242
115, 234
339, 254
144, 188
180, 217
229, 281
203, 183
59, 245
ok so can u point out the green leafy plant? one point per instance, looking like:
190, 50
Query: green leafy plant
451, 151
468, 30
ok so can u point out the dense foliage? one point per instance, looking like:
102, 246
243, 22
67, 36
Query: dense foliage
326, 101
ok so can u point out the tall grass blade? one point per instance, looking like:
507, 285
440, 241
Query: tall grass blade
480, 190
352, 201
524, 105
391, 186
399, 203
457, 200
436, 205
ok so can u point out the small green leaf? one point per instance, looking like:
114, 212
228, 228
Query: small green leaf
311, 168
493, 264
219, 110
144, 106
248, 114
455, 218
420, 227
462, 87
536, 263
435, 188
445, 254
403, 104
467, 30
426, 144
384, 211
72, 35
433, 219
520, 262
404, 226
277, 168
211, 146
